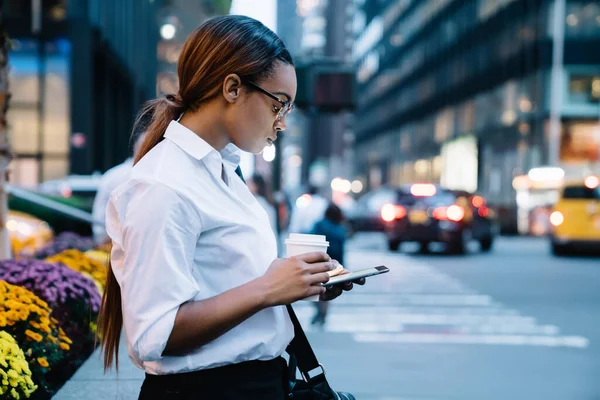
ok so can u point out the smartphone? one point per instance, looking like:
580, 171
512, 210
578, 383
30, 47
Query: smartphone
363, 273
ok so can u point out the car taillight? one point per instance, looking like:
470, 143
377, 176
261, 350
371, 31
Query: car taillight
478, 201
557, 218
453, 213
483, 211
390, 212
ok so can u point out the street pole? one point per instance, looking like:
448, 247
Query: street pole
556, 82
5, 151
277, 183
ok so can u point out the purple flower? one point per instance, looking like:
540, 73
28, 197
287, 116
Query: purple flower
54, 283
65, 241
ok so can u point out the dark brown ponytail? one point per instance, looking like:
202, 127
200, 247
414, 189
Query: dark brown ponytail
164, 111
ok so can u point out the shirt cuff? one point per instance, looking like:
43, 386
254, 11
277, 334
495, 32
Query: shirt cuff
153, 342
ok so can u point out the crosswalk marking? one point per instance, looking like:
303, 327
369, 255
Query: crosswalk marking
417, 303
515, 340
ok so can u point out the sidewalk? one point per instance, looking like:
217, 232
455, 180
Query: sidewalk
90, 382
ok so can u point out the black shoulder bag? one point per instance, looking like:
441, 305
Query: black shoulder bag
303, 357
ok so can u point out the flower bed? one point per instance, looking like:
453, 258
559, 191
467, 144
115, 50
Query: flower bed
48, 312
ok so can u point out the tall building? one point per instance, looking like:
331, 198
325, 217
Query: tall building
79, 71
316, 143
472, 93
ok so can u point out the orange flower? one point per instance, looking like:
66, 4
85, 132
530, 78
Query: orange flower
65, 347
35, 336
43, 362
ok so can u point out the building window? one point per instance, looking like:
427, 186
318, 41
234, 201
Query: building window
583, 19
584, 88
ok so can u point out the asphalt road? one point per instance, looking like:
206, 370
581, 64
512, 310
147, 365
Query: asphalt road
515, 323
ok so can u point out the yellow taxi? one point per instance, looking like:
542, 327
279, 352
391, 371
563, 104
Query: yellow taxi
575, 218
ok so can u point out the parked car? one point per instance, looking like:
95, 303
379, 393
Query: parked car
575, 218
427, 213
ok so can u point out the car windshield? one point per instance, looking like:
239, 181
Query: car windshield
581, 192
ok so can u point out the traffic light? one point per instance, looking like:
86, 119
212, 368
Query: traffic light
326, 85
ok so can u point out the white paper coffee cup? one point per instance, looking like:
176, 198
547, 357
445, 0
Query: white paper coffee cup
298, 243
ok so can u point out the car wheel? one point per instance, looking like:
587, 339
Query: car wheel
459, 245
393, 244
559, 249
486, 243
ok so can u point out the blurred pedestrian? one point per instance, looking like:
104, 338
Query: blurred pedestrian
258, 187
305, 214
332, 227
194, 276
116, 176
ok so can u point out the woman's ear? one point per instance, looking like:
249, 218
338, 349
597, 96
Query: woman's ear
232, 85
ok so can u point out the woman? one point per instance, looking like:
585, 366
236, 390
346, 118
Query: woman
194, 278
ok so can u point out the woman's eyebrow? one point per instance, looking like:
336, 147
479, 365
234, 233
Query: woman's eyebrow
284, 94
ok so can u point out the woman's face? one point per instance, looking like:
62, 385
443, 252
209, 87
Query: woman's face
253, 123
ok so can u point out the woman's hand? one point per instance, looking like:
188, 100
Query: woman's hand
290, 279
336, 290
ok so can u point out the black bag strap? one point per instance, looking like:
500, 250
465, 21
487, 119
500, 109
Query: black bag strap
302, 351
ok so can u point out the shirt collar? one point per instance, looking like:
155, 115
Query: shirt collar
188, 141
197, 147
232, 155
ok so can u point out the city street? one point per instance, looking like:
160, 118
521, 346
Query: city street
516, 323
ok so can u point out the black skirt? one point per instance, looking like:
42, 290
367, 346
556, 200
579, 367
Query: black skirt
251, 380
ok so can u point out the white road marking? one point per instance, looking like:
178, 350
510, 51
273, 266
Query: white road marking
515, 340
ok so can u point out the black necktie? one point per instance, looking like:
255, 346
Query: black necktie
238, 171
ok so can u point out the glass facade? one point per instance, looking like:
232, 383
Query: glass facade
39, 116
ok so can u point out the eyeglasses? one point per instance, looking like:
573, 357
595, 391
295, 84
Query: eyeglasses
286, 106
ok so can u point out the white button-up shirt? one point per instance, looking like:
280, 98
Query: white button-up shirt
180, 233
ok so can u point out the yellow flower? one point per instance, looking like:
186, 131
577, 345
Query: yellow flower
34, 324
2, 320
65, 347
43, 362
15, 375
25, 299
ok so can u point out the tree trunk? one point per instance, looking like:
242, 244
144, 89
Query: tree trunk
5, 152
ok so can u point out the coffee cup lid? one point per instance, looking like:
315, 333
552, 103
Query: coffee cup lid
300, 238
